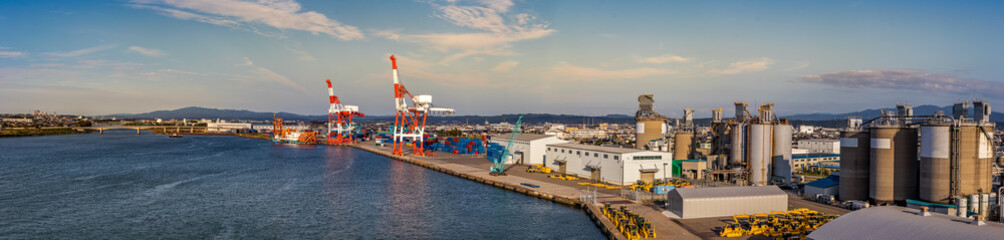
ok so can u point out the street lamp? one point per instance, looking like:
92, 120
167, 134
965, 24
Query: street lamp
664, 171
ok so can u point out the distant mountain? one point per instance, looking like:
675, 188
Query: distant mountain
230, 114
820, 119
213, 113
873, 113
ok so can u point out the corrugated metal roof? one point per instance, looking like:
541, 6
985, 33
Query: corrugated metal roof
520, 137
728, 192
827, 182
904, 223
597, 148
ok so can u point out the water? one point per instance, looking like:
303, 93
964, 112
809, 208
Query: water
127, 186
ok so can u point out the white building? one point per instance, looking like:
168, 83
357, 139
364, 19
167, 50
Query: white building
527, 148
619, 166
587, 133
819, 145
806, 129
226, 127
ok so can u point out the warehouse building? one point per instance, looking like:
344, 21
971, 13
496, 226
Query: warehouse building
619, 166
903, 223
827, 186
527, 148
690, 203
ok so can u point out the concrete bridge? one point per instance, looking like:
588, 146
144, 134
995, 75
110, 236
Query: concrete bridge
156, 129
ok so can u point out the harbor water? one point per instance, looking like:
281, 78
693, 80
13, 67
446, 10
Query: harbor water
120, 185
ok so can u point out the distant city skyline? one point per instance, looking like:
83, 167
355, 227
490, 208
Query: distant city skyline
496, 57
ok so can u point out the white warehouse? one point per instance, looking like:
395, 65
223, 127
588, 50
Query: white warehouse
619, 166
527, 148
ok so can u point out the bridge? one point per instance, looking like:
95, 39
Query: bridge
156, 129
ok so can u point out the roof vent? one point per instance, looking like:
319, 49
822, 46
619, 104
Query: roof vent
978, 220
924, 212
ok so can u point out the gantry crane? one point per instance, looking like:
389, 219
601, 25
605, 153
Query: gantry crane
409, 123
498, 165
340, 128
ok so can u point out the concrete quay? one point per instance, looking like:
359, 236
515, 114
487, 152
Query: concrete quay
559, 191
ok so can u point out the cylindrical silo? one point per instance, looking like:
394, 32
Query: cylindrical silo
854, 165
935, 165
782, 152
648, 129
681, 145
760, 152
961, 207
893, 164
975, 159
738, 153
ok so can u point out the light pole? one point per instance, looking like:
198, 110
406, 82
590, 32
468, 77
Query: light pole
664, 171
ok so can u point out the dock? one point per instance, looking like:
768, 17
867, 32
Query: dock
559, 191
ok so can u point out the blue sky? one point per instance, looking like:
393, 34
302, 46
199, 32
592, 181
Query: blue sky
491, 57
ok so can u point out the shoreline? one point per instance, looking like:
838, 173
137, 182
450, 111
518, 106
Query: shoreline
38, 132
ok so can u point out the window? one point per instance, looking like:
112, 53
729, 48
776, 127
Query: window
617, 157
605, 156
596, 155
578, 152
549, 149
656, 157
562, 150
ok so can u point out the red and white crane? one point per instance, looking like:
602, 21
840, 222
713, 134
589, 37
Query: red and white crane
409, 123
340, 126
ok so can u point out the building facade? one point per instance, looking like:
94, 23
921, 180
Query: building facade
619, 166
820, 145
527, 148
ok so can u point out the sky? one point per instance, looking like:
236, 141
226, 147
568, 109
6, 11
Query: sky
493, 57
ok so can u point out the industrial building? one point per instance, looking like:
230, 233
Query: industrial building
818, 146
751, 150
690, 203
879, 157
826, 186
892, 222
650, 126
683, 138
527, 148
799, 161
619, 166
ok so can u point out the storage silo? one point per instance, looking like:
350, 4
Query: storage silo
738, 144
975, 157
855, 164
893, 163
650, 125
935, 164
682, 142
782, 152
761, 148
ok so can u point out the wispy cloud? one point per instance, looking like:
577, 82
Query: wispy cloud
497, 25
150, 52
905, 79
505, 66
569, 72
81, 52
412, 68
747, 66
270, 75
10, 54
280, 14
663, 59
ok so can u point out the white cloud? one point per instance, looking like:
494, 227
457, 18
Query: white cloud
280, 14
269, 75
505, 66
664, 59
81, 52
903, 79
412, 68
150, 52
10, 54
754, 65
571, 72
498, 29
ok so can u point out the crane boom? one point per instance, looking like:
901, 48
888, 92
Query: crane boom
498, 166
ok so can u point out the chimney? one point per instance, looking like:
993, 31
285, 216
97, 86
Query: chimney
924, 212
978, 220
